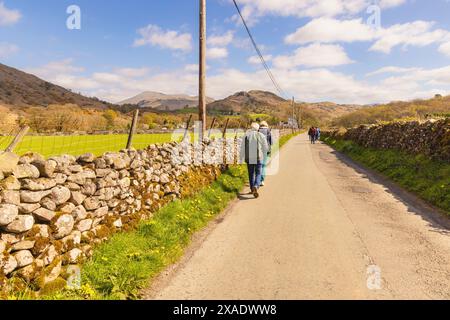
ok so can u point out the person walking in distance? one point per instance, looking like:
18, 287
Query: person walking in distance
317, 134
254, 149
312, 135
265, 130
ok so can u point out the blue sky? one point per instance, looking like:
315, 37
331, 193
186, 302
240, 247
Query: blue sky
318, 50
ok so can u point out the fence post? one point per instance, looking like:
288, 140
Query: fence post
188, 124
224, 134
23, 131
133, 128
212, 127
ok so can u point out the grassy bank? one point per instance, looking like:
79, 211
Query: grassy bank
427, 178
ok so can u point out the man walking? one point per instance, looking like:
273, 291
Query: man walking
254, 149
265, 130
312, 135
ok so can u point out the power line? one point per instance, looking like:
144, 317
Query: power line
261, 57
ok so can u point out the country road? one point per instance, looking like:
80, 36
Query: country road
323, 228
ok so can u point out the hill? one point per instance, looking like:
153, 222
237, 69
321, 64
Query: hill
264, 102
20, 89
249, 102
416, 109
163, 102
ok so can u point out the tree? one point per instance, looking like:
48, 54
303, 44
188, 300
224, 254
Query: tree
110, 116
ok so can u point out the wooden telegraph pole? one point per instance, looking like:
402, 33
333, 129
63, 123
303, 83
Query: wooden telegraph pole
293, 114
202, 70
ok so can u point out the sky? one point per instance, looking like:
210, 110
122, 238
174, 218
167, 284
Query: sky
345, 51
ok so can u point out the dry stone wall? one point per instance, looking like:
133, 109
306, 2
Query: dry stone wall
431, 138
53, 211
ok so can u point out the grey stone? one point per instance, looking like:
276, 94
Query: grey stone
73, 186
2, 246
8, 162
89, 189
101, 212
63, 226
60, 195
79, 213
30, 157
49, 204
44, 215
23, 258
8, 265
27, 208
124, 183
11, 238
46, 168
101, 173
21, 223
91, 203
77, 198
75, 168
10, 183
33, 196
86, 158
100, 163
60, 178
84, 225
38, 184
67, 208
26, 171
11, 197
77, 178
23, 245
165, 178
8, 213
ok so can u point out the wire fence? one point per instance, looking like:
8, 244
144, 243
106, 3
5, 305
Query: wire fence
98, 144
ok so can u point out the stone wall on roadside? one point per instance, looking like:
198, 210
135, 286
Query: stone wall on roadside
53, 211
431, 138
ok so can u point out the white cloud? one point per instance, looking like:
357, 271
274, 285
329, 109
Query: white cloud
155, 36
257, 59
445, 48
318, 84
8, 16
417, 33
327, 30
7, 49
133, 72
391, 69
221, 40
217, 53
252, 10
330, 30
314, 55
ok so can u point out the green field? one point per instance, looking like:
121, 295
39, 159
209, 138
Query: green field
79, 144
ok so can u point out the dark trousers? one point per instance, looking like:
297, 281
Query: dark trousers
254, 175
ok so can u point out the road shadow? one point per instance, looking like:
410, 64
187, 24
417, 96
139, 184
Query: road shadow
437, 219
245, 196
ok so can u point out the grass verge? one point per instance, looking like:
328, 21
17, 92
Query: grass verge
428, 179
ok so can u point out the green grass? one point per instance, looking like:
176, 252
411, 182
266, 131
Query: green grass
427, 178
79, 144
